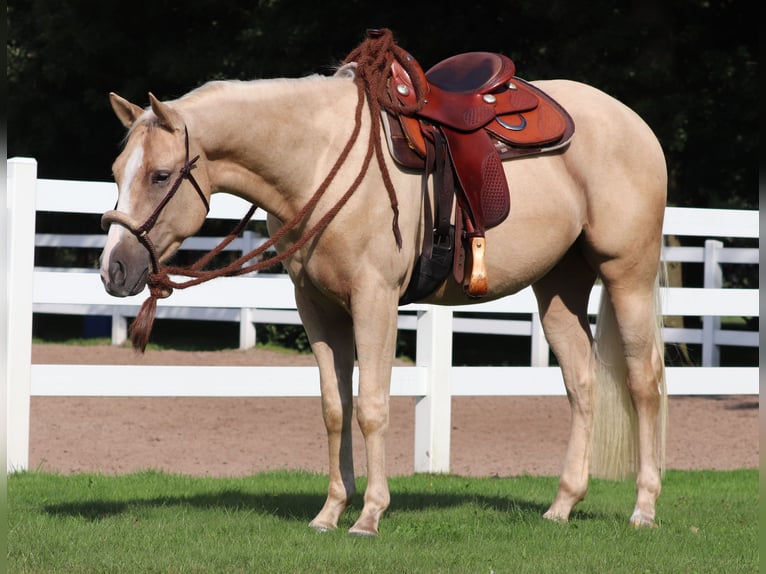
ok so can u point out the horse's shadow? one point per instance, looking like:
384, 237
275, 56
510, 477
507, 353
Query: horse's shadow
296, 506
288, 506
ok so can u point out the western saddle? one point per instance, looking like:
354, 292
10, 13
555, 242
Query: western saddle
475, 115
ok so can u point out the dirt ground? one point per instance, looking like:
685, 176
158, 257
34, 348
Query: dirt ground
504, 436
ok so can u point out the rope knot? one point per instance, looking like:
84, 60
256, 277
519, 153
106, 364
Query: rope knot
141, 328
159, 285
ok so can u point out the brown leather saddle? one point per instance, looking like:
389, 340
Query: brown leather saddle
476, 115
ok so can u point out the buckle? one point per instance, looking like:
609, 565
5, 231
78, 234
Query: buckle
444, 241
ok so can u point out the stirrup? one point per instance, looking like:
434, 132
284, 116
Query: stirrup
478, 283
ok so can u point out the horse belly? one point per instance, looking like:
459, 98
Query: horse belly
547, 215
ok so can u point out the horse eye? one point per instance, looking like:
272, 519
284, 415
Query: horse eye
160, 177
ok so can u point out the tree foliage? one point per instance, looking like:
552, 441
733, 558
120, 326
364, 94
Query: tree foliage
688, 67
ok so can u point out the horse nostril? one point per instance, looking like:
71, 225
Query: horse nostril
117, 273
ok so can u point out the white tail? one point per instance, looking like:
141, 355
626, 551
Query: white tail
615, 432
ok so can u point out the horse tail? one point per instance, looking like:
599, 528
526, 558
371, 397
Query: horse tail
615, 432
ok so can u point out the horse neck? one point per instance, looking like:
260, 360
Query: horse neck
266, 140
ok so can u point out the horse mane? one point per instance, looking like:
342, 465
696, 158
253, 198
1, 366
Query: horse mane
220, 87
215, 87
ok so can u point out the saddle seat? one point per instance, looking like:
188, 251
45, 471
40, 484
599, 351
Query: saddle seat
472, 72
475, 114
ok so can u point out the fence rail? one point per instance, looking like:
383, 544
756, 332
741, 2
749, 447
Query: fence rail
97, 197
433, 379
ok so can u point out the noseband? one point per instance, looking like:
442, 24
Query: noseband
141, 231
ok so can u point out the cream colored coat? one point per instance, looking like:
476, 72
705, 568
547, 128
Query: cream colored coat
591, 211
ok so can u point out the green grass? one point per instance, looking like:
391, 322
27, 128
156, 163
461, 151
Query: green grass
153, 522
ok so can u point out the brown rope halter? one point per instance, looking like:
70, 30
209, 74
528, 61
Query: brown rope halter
373, 60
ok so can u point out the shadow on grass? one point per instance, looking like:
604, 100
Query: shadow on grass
299, 507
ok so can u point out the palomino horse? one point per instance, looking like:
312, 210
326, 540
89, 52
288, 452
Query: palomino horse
591, 211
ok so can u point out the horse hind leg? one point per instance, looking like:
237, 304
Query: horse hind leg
562, 297
629, 316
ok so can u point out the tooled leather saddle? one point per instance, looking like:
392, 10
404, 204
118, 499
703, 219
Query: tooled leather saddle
476, 115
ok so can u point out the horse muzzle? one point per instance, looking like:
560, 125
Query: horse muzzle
125, 263
122, 281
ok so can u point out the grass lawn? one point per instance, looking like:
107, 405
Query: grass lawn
155, 522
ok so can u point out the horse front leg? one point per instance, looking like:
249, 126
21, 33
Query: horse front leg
375, 327
330, 333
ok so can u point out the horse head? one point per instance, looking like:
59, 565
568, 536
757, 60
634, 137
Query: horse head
156, 204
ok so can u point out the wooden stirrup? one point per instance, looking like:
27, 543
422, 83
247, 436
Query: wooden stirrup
478, 283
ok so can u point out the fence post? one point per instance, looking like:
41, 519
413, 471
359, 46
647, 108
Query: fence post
22, 182
247, 334
540, 349
713, 279
249, 239
119, 327
246, 329
5, 218
433, 412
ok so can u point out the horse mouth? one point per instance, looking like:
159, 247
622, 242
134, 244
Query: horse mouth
139, 285
119, 284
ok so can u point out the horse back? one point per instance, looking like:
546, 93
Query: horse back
605, 190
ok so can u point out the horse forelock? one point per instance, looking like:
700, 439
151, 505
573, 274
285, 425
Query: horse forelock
147, 120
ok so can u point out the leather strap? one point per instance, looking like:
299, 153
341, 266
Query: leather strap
436, 256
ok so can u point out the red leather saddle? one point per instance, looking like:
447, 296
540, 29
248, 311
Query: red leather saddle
476, 114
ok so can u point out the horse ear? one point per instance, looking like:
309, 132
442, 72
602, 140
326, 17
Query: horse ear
168, 118
126, 112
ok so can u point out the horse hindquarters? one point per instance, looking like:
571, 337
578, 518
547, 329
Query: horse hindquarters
621, 168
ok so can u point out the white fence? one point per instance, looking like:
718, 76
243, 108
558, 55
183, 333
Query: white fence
96, 197
433, 379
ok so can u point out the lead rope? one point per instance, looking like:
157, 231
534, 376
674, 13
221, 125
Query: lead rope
373, 58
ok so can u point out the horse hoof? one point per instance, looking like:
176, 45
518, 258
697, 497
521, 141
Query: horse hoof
361, 533
644, 524
364, 529
638, 520
320, 527
555, 517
